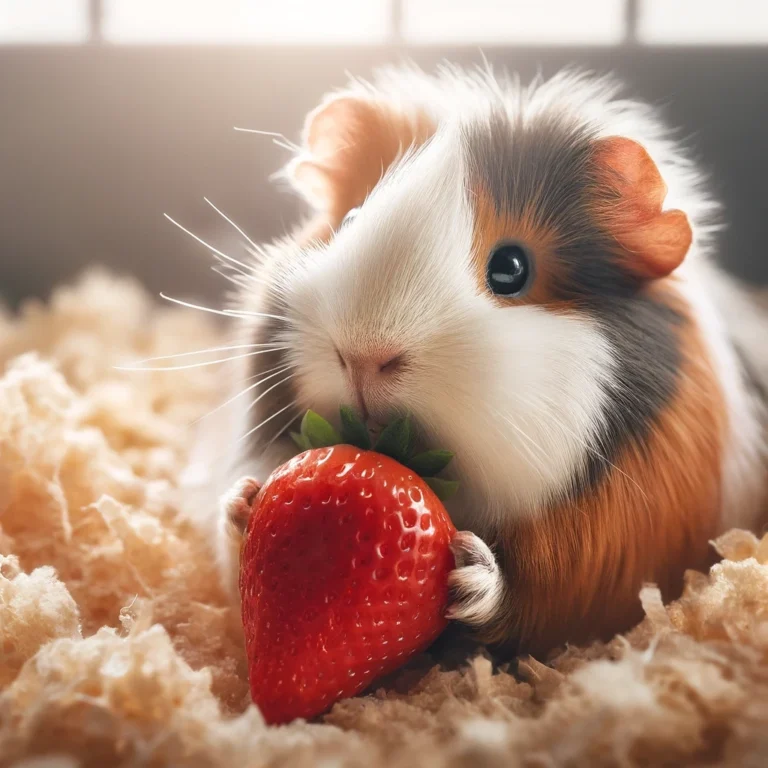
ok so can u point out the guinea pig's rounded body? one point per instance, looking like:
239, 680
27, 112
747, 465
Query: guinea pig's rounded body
526, 271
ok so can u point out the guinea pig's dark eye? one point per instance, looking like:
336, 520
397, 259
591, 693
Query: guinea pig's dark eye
509, 269
350, 215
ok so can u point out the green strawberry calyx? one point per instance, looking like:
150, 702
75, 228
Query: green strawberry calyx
395, 441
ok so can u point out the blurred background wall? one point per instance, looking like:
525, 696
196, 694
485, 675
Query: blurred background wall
113, 112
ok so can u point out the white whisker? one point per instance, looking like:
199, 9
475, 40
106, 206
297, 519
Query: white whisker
224, 264
200, 365
267, 420
234, 275
237, 279
227, 267
284, 145
205, 351
282, 429
273, 371
258, 253
270, 370
223, 312
247, 313
207, 245
289, 144
229, 221
268, 390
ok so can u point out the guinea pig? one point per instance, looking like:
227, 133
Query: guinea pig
527, 271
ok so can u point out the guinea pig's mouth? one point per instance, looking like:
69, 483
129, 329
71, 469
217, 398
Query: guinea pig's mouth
419, 443
374, 427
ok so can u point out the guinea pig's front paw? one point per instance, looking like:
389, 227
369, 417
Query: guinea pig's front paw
236, 503
477, 583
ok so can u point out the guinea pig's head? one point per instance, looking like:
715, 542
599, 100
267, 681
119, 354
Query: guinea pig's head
465, 270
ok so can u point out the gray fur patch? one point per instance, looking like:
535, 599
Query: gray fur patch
544, 169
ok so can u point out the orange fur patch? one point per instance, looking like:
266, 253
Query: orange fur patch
351, 143
575, 574
655, 241
492, 227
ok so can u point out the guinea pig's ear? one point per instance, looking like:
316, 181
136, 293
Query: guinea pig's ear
655, 241
349, 142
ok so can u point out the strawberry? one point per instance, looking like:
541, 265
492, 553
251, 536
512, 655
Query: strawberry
344, 566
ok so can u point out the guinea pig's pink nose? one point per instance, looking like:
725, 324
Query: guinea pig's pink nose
366, 370
362, 366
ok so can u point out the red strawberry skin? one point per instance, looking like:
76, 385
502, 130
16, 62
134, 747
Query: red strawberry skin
343, 577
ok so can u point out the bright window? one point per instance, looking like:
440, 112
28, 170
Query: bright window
321, 22
364, 22
235, 21
168, 21
675, 22
43, 21
548, 22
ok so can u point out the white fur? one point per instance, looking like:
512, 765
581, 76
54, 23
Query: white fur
477, 581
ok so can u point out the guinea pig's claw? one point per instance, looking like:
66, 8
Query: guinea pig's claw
237, 502
476, 583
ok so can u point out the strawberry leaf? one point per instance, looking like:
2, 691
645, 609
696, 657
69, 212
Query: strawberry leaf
317, 431
430, 463
353, 430
395, 440
443, 489
301, 441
